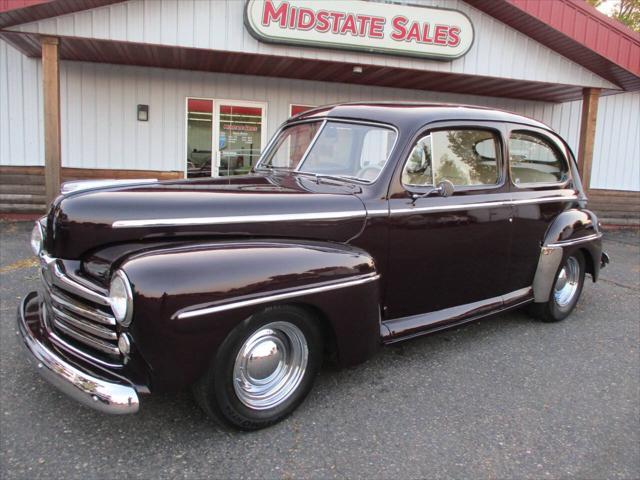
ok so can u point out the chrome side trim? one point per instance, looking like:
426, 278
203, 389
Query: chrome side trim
558, 198
472, 206
80, 185
548, 263
285, 217
575, 241
277, 297
82, 386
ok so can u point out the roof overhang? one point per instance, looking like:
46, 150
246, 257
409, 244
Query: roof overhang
576, 30
149, 55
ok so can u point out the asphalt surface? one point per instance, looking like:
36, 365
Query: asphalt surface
506, 397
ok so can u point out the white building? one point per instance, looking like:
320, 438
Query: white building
174, 88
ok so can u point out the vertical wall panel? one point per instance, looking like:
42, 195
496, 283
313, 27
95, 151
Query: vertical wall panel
20, 109
616, 156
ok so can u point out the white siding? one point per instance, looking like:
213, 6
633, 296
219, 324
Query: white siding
616, 156
21, 114
497, 51
98, 109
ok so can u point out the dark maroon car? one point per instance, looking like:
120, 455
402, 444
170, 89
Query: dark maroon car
362, 225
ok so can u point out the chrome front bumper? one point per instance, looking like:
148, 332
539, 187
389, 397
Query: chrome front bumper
85, 387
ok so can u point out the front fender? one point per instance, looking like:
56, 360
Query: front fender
188, 298
571, 230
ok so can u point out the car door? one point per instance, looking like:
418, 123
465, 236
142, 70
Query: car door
542, 187
449, 251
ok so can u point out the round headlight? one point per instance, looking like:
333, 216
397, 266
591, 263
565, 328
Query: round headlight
36, 239
121, 298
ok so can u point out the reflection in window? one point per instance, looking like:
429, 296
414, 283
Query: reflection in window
533, 160
464, 157
291, 145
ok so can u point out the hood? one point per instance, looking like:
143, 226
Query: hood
270, 205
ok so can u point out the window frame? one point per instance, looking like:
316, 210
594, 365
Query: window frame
500, 160
556, 146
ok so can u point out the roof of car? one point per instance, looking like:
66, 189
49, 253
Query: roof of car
407, 114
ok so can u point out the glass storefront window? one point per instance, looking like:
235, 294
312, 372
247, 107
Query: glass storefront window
240, 139
199, 138
223, 137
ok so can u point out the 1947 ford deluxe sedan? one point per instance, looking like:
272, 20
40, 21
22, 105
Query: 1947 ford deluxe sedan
361, 225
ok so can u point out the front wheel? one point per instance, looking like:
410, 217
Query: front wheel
263, 370
566, 290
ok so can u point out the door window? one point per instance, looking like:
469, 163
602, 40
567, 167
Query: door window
465, 157
532, 160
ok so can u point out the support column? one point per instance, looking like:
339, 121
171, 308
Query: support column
51, 97
590, 97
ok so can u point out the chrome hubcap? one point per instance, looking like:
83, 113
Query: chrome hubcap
270, 365
567, 283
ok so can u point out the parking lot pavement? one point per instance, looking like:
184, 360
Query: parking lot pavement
506, 397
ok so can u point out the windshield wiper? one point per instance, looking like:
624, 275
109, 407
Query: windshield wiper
343, 179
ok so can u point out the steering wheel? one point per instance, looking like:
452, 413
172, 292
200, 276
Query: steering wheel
369, 172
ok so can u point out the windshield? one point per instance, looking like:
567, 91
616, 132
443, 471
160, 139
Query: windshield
332, 148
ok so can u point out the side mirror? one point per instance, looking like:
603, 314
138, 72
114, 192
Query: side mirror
445, 189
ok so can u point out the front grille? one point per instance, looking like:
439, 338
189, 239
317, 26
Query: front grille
78, 312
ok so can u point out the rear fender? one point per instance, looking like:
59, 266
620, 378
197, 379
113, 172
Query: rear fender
572, 230
187, 299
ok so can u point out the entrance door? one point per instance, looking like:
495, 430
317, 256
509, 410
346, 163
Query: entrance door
223, 137
240, 132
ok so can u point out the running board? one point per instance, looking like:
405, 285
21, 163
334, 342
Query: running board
414, 325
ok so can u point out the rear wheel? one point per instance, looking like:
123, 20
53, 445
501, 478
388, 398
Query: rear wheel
263, 370
566, 290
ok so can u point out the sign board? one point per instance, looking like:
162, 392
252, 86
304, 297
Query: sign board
360, 25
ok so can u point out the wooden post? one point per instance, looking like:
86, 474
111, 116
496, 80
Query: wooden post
51, 97
590, 97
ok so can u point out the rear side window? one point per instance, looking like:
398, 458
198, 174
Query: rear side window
532, 160
464, 157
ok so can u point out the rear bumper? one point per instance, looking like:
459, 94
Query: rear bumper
80, 384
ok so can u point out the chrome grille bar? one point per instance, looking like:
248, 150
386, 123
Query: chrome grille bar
101, 345
82, 310
77, 312
85, 326
61, 280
